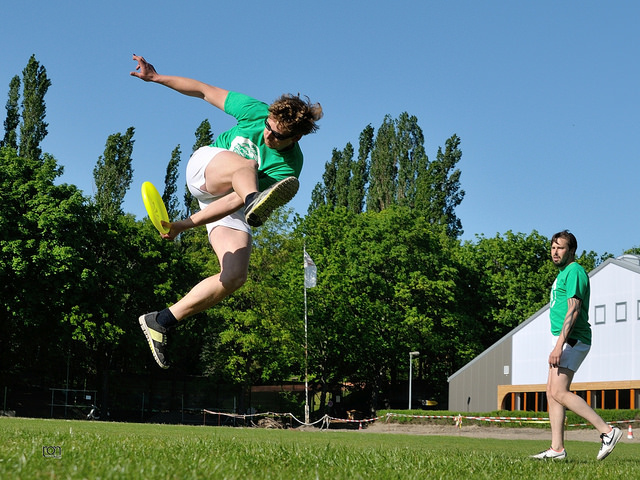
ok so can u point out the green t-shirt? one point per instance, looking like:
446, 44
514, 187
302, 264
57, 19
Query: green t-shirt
247, 139
572, 281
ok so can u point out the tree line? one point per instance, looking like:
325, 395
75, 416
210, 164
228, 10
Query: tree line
393, 276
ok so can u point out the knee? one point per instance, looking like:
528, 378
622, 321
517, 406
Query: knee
246, 162
553, 393
558, 395
232, 280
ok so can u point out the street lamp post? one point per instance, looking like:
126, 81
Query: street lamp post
411, 355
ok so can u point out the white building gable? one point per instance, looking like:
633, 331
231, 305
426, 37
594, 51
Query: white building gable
614, 314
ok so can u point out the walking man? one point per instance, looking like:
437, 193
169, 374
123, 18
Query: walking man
571, 339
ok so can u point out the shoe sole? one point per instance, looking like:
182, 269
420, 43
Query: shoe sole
616, 439
147, 333
279, 195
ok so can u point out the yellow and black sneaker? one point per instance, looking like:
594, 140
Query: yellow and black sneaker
258, 206
156, 336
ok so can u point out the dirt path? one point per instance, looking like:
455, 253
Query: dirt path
477, 431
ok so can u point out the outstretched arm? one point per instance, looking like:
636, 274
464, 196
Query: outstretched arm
187, 86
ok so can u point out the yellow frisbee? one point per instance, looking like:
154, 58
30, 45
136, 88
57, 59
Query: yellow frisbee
155, 206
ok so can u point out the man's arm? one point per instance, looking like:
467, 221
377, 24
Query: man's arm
574, 304
216, 96
216, 210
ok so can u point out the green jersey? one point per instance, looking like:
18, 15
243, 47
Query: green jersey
247, 139
572, 281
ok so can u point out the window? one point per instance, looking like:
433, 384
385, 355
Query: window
621, 312
601, 314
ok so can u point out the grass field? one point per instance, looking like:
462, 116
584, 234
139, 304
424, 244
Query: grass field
61, 449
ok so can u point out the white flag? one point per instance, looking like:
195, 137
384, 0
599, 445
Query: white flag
310, 271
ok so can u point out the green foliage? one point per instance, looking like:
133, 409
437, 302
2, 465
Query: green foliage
169, 196
438, 188
253, 336
12, 120
113, 174
40, 252
398, 173
33, 128
387, 285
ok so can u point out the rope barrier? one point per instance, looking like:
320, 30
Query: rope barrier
326, 420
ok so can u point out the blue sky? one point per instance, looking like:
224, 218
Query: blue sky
544, 95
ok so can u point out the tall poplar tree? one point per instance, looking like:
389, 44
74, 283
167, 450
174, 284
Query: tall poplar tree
33, 129
383, 168
13, 115
169, 196
411, 158
343, 176
360, 171
439, 190
329, 178
113, 173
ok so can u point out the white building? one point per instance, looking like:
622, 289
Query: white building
512, 374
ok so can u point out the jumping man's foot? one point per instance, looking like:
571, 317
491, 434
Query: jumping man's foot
258, 206
156, 336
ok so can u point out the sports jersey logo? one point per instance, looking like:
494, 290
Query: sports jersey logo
552, 300
246, 148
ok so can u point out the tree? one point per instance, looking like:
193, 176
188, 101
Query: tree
169, 196
13, 115
113, 174
383, 169
329, 177
318, 197
512, 278
40, 261
388, 285
439, 191
360, 171
252, 336
33, 129
411, 158
343, 176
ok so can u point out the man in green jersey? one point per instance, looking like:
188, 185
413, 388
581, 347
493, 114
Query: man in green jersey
571, 341
249, 171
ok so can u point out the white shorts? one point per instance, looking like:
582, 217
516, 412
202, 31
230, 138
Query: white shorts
572, 357
196, 179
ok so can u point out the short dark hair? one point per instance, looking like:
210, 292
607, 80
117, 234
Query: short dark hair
569, 237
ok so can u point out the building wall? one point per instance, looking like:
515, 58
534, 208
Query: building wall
614, 356
474, 388
615, 345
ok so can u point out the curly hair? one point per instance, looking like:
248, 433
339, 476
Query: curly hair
296, 116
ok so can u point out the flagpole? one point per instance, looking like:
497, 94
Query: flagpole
306, 352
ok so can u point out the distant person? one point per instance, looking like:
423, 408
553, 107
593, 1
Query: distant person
248, 172
571, 332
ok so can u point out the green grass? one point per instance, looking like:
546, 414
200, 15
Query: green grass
103, 450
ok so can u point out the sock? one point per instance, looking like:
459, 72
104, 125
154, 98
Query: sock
166, 318
249, 199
